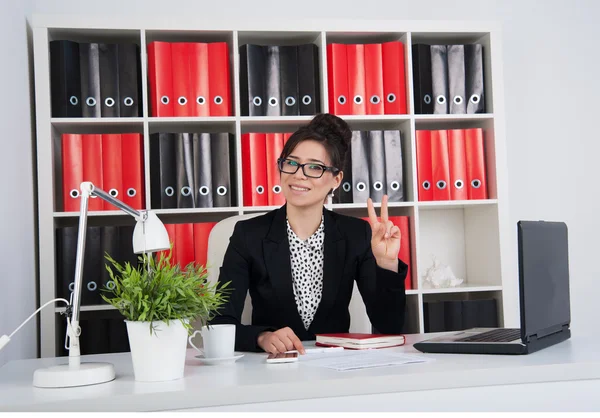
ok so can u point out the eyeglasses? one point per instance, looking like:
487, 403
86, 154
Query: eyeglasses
312, 170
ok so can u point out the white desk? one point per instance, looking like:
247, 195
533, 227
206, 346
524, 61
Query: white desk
562, 377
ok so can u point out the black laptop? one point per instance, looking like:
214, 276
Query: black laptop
544, 298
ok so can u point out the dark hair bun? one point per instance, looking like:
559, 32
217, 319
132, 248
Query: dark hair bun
332, 127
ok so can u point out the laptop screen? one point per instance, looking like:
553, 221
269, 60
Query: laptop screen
543, 277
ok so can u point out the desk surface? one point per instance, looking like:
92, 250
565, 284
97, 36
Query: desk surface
251, 380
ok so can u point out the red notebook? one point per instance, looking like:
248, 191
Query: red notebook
359, 341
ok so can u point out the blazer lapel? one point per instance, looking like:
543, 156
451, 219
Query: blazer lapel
333, 268
276, 251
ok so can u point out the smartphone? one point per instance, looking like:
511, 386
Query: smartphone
282, 358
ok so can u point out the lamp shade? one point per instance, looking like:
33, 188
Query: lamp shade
150, 235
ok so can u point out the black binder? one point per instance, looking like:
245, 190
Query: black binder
110, 246
66, 252
272, 81
394, 165
423, 95
360, 167
130, 80
308, 79
89, 63
92, 279
109, 80
456, 79
474, 78
202, 170
222, 160
439, 78
288, 65
65, 81
376, 164
163, 181
184, 168
252, 80
344, 193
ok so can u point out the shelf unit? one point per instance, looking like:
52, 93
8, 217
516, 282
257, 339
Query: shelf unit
471, 236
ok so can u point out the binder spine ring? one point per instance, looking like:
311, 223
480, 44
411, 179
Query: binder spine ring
200, 100
378, 186
290, 101
74, 193
277, 189
257, 101
459, 184
395, 185
221, 190
346, 187
109, 101
113, 192
361, 186
475, 98
164, 100
73, 100
186, 191
342, 99
375, 99
128, 101
273, 101
426, 185
458, 100
169, 191
358, 99
391, 98
131, 192
427, 99
71, 286
182, 101
441, 99
90, 101
91, 286
203, 190
110, 285
218, 100
260, 189
441, 184
476, 183
306, 99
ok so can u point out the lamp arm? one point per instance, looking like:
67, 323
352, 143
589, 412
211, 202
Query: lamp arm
91, 190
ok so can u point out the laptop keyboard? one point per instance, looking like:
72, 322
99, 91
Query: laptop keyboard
494, 336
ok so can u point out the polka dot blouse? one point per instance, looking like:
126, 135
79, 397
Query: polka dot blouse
307, 271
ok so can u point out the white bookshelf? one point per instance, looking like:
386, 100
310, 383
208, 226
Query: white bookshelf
471, 236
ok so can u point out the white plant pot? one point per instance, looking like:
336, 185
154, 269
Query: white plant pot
159, 355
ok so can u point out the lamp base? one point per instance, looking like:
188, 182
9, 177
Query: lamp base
65, 375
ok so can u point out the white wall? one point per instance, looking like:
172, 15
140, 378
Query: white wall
551, 93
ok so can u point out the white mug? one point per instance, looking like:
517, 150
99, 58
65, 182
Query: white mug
219, 341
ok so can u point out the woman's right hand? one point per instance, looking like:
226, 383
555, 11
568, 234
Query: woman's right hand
280, 341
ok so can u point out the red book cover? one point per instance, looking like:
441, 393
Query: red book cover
201, 234
160, 78
92, 167
199, 80
274, 146
424, 169
180, 67
458, 164
440, 163
374, 79
394, 78
286, 136
184, 244
337, 79
475, 154
72, 171
359, 341
356, 78
254, 169
171, 232
111, 168
133, 170
218, 70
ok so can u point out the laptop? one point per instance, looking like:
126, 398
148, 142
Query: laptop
544, 299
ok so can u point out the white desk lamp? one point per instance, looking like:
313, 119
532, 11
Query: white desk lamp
149, 235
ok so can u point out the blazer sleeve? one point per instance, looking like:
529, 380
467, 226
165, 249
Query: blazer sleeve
382, 291
236, 269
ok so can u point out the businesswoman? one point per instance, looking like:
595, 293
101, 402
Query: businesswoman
299, 262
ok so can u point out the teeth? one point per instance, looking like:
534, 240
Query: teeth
301, 189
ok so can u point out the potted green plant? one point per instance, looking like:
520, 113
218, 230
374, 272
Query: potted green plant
160, 301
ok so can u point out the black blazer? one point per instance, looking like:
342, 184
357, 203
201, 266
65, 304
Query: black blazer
258, 260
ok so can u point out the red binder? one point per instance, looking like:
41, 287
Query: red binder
112, 173
201, 234
474, 151
394, 78
133, 170
199, 80
72, 171
337, 79
171, 231
374, 79
424, 169
356, 78
254, 169
218, 70
92, 166
274, 146
180, 67
286, 136
458, 164
184, 244
440, 163
160, 78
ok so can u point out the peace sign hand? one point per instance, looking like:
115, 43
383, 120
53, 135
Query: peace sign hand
385, 240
